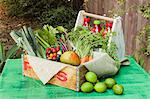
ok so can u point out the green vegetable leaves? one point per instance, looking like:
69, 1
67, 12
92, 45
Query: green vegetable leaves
2, 52
25, 39
7, 55
85, 42
61, 29
47, 35
35, 43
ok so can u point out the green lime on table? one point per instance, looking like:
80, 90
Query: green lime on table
87, 87
100, 87
118, 89
110, 82
91, 77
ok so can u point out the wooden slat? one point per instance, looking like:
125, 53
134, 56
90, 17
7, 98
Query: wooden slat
97, 16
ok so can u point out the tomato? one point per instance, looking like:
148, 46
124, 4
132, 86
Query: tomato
109, 24
55, 54
51, 55
104, 33
93, 29
49, 58
53, 50
57, 48
54, 58
48, 50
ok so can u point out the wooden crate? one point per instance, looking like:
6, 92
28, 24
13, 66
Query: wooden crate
70, 77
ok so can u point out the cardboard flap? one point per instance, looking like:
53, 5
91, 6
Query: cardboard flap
45, 69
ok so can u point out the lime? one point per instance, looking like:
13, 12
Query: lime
118, 89
87, 87
100, 87
91, 77
110, 82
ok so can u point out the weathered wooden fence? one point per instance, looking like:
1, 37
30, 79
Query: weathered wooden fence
132, 19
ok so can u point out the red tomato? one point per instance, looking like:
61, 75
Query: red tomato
51, 55
55, 54
57, 48
53, 50
104, 33
109, 24
47, 50
49, 58
93, 29
54, 58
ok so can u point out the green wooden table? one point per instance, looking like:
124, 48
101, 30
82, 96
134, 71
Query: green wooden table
13, 85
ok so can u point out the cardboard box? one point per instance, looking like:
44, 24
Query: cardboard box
69, 77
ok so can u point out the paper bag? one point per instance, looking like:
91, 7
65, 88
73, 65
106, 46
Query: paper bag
102, 64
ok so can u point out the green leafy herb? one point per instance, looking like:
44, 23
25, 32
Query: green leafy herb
24, 40
48, 34
2, 52
85, 42
11, 53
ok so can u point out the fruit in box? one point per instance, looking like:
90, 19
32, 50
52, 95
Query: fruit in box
54, 53
70, 57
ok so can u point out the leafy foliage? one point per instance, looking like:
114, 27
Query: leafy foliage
52, 12
85, 42
145, 9
11, 53
2, 52
147, 30
36, 42
118, 10
64, 16
143, 36
28, 8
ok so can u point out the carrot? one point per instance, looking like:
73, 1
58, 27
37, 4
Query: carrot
84, 59
90, 58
